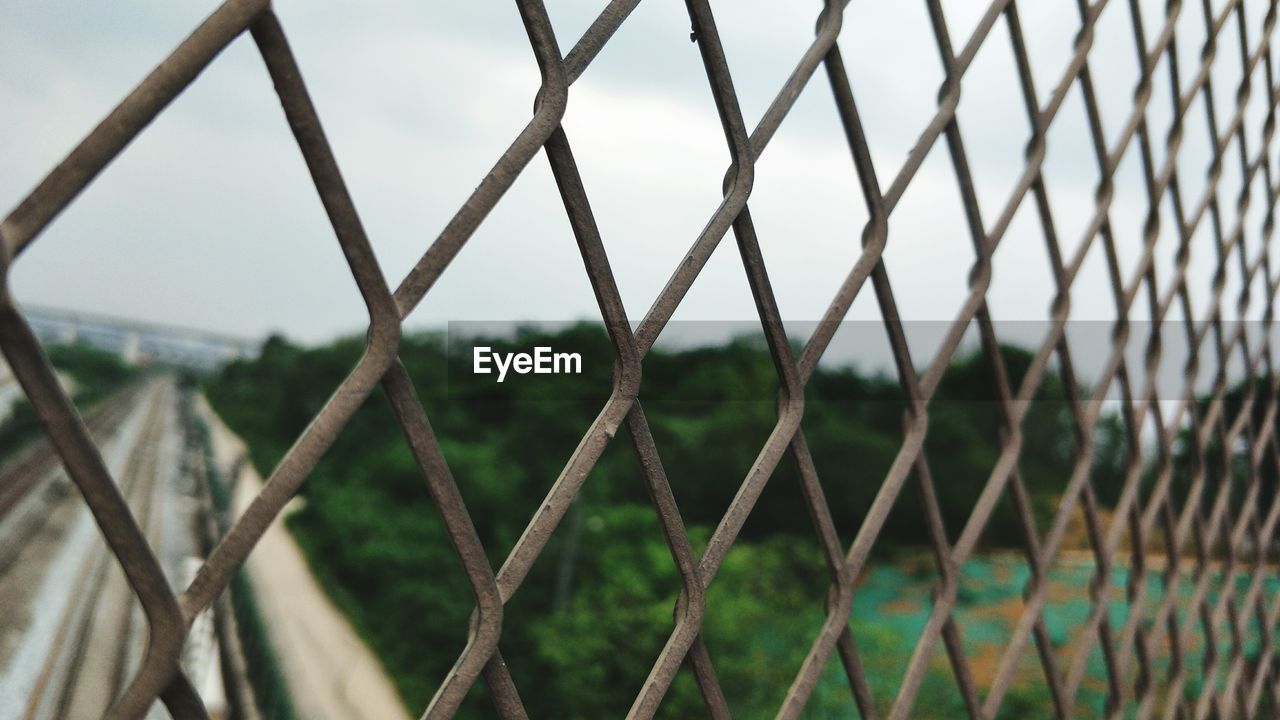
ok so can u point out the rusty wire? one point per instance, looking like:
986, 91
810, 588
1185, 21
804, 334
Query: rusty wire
1134, 681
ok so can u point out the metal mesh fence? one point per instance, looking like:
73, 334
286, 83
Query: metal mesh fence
1231, 544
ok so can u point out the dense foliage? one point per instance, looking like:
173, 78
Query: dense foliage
583, 630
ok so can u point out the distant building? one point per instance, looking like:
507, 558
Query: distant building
137, 342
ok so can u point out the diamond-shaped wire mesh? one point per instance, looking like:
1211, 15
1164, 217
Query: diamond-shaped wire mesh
1144, 650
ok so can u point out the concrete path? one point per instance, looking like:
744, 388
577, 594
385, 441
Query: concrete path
331, 673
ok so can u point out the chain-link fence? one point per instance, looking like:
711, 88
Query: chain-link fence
1230, 542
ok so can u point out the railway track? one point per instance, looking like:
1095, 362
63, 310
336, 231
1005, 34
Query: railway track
36, 462
32, 483
79, 633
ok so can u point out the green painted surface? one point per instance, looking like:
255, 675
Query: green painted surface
893, 606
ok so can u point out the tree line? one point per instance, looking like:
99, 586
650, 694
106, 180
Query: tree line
584, 628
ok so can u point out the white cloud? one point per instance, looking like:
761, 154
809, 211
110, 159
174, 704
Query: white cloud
209, 218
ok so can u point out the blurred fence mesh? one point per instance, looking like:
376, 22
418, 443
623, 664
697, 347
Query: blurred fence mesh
1223, 549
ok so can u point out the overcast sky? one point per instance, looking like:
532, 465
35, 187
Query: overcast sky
209, 219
